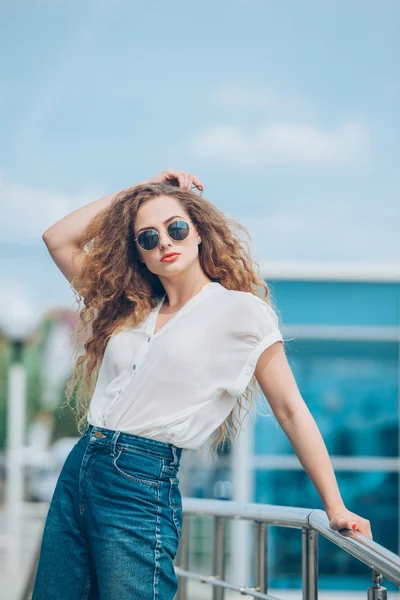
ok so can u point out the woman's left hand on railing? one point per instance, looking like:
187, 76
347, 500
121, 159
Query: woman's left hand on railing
345, 519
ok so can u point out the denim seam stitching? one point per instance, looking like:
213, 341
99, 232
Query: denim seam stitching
173, 506
87, 588
141, 452
81, 499
148, 482
157, 550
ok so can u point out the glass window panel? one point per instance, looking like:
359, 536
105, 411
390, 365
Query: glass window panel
352, 390
374, 496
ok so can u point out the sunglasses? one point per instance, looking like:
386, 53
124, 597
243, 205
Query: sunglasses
178, 230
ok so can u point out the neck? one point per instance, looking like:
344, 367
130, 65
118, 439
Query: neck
177, 294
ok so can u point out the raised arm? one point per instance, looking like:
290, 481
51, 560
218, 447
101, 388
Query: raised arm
62, 238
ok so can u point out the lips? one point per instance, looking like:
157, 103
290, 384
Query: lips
170, 256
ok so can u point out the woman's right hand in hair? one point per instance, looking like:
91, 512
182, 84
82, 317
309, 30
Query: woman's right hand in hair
186, 180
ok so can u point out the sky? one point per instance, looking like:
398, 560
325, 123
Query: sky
287, 112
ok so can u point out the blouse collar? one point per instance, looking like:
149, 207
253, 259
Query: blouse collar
194, 301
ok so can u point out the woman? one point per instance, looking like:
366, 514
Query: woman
178, 336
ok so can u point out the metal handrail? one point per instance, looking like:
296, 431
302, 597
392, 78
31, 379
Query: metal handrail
362, 548
312, 522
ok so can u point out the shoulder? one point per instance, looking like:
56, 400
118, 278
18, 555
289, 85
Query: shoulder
245, 302
239, 312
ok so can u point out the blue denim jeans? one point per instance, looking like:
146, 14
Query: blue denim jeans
114, 521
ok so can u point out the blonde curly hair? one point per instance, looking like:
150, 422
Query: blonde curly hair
118, 290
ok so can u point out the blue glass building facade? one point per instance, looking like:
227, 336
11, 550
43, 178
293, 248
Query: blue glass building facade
343, 342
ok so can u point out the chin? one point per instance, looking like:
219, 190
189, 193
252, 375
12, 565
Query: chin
172, 267
168, 267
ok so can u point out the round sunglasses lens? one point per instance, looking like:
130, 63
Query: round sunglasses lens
178, 230
148, 240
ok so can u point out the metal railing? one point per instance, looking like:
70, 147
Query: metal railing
311, 523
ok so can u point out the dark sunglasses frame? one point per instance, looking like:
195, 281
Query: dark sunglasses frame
162, 229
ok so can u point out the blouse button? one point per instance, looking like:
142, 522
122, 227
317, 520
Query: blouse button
149, 339
134, 367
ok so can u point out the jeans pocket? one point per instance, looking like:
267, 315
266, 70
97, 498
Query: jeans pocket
139, 468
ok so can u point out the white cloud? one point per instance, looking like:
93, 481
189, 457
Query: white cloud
28, 211
284, 143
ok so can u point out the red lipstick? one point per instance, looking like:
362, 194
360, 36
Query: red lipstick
170, 256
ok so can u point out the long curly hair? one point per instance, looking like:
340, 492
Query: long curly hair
118, 290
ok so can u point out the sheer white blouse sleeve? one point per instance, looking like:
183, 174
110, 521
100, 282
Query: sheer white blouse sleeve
253, 326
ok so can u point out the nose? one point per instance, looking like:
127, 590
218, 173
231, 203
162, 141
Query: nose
164, 239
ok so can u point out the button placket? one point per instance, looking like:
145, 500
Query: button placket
150, 337
142, 352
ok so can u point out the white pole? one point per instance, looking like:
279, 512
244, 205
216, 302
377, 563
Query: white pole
14, 492
242, 483
398, 427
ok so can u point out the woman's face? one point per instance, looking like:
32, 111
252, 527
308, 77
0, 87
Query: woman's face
157, 213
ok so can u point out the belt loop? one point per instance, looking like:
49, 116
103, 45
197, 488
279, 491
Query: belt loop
175, 455
113, 442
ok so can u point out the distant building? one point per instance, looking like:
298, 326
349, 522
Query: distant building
342, 323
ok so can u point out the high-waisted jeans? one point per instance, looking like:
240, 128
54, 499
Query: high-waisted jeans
114, 521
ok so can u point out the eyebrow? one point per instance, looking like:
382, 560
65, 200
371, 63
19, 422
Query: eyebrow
164, 223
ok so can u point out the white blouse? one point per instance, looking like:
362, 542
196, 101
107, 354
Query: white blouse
180, 384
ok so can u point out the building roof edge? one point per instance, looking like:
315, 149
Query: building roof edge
330, 271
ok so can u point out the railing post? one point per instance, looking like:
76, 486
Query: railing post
219, 556
182, 557
261, 557
377, 592
310, 564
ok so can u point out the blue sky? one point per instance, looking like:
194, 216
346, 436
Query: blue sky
287, 111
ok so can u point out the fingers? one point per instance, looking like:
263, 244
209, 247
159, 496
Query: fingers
186, 180
197, 182
339, 523
363, 526
171, 174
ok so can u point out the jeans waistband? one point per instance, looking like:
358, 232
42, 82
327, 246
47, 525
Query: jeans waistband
138, 442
